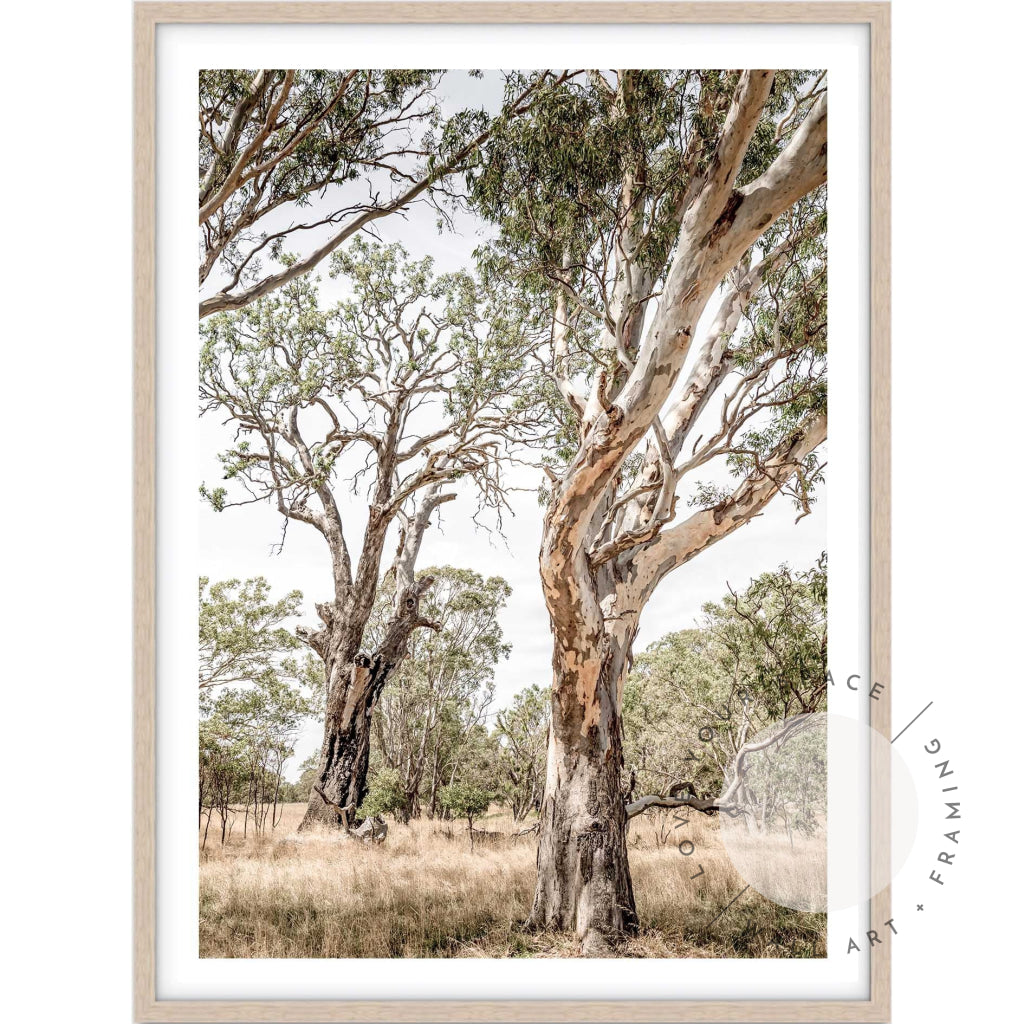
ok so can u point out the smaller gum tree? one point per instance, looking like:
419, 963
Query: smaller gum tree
256, 685
414, 382
445, 684
466, 800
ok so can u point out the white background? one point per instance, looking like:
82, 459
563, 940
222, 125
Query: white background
66, 508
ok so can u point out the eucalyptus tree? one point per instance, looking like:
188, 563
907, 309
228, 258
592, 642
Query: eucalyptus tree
523, 731
699, 701
241, 633
293, 162
255, 689
466, 800
630, 203
671, 684
410, 384
246, 736
465, 749
444, 685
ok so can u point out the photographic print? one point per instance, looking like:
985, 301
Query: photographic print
490, 362
519, 603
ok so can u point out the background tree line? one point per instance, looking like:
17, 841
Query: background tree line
697, 701
691, 702
256, 686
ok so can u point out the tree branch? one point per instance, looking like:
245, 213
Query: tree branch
618, 429
234, 177
790, 727
645, 803
675, 546
710, 370
225, 300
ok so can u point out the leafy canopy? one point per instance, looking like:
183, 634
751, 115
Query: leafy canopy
270, 140
758, 657
241, 636
425, 377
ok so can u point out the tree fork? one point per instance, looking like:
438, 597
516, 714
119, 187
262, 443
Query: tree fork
345, 753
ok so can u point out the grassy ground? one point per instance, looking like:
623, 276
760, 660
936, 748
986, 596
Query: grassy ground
424, 893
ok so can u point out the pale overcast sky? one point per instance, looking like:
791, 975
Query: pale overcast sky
237, 542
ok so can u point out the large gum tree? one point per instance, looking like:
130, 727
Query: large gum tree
410, 384
631, 203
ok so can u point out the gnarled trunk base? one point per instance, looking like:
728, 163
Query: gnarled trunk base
583, 880
353, 690
345, 754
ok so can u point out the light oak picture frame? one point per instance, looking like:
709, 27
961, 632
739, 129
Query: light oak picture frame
148, 17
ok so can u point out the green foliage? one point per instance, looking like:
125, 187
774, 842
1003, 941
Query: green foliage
556, 182
773, 639
428, 722
240, 631
386, 794
253, 698
465, 800
694, 696
522, 729
552, 180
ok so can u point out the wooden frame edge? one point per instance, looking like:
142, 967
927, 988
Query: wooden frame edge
144, 519
514, 1012
146, 17
880, 486
529, 11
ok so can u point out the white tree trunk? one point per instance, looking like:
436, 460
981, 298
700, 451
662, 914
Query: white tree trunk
596, 587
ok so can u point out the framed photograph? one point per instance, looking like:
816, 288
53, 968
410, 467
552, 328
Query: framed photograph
512, 514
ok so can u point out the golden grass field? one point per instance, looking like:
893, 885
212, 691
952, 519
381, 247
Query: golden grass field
423, 894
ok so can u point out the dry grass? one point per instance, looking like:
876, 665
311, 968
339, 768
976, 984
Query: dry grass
423, 894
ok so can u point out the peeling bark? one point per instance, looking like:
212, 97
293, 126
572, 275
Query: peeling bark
583, 880
602, 555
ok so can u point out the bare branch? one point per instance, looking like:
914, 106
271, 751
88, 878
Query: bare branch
224, 300
677, 545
